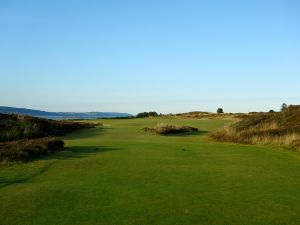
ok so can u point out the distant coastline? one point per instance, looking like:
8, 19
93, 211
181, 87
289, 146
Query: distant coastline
61, 115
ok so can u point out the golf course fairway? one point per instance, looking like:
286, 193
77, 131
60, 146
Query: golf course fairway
117, 174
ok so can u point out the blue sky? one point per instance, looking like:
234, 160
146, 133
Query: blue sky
162, 55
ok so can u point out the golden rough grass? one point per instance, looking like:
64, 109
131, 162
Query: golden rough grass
268, 126
250, 136
285, 140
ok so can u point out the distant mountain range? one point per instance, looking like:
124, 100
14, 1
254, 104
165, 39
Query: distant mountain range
61, 115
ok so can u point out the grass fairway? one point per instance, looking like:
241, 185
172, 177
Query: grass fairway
120, 175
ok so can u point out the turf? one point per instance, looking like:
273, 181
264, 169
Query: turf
119, 175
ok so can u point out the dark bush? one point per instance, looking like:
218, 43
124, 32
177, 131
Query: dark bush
23, 150
146, 114
25, 137
220, 110
15, 127
284, 106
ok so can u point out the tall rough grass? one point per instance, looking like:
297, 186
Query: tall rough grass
228, 134
281, 128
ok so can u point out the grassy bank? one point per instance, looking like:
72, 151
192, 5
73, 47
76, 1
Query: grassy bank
24, 137
15, 127
281, 128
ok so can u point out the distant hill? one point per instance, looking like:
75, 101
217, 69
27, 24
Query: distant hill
61, 115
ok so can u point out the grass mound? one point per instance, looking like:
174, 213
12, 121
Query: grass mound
164, 129
23, 150
281, 128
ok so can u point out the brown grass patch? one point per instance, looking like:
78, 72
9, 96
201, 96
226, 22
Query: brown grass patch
164, 129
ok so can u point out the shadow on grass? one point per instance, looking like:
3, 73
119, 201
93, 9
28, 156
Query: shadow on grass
198, 133
8, 182
68, 153
82, 151
85, 133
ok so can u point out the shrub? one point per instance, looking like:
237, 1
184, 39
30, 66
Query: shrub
283, 106
220, 110
14, 127
23, 150
25, 137
146, 114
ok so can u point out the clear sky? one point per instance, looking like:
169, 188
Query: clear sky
141, 55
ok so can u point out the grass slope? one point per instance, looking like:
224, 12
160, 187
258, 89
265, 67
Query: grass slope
120, 175
280, 128
16, 127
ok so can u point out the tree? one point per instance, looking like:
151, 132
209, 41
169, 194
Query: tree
283, 106
271, 111
220, 110
146, 114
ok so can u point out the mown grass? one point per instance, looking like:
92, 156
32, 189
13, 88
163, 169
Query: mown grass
119, 174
